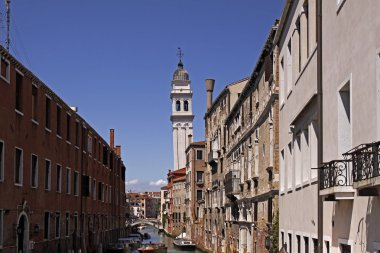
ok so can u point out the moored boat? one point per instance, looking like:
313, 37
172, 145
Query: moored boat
184, 244
153, 247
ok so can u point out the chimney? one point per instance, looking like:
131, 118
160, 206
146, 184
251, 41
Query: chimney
112, 138
189, 139
118, 150
209, 89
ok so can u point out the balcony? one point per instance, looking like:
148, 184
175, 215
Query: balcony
336, 180
200, 182
232, 181
365, 168
215, 184
212, 157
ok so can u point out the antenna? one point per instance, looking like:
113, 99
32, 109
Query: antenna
8, 5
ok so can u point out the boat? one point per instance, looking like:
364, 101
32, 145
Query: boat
184, 244
153, 247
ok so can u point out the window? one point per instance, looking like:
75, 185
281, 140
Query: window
344, 119
76, 133
5, 73
289, 165
199, 154
298, 159
76, 183
59, 178
19, 89
94, 189
199, 176
289, 67
57, 225
306, 241
46, 225
100, 191
270, 212
298, 243
75, 221
282, 84
199, 194
47, 112
290, 243
89, 144
315, 245
68, 180
34, 102
59, 120
18, 166
255, 210
178, 106
327, 245
344, 248
67, 224
34, 170
47, 175
1, 161
68, 122
186, 105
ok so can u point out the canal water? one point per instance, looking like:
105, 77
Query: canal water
161, 237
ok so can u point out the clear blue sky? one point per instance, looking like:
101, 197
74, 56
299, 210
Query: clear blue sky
114, 59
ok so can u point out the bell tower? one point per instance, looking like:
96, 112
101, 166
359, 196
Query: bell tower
182, 116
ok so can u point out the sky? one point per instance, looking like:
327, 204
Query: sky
115, 59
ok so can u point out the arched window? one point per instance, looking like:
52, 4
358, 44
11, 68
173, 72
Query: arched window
178, 106
186, 105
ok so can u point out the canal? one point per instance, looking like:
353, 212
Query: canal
161, 237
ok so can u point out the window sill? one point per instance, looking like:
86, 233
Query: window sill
47, 130
34, 187
19, 113
59, 137
18, 185
35, 122
68, 142
6, 80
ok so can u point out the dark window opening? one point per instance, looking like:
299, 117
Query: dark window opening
19, 88
68, 122
186, 105
34, 102
199, 154
47, 113
178, 106
58, 120
46, 225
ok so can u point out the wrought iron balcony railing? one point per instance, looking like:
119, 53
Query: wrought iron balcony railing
335, 173
365, 161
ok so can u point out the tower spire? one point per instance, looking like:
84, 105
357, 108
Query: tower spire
180, 55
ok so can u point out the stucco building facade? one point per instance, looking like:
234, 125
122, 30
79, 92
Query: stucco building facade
215, 133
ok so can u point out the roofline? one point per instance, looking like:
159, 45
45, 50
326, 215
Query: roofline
225, 91
283, 20
268, 47
5, 53
196, 144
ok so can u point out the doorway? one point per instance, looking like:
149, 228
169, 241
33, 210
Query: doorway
22, 234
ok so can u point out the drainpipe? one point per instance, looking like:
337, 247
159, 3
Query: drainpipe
320, 122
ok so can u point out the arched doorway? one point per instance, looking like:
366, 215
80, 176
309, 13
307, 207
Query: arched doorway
22, 233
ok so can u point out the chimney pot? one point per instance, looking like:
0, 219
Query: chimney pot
112, 138
209, 89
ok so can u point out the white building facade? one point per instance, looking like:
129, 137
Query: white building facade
182, 116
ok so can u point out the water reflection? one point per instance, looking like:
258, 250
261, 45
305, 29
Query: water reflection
161, 237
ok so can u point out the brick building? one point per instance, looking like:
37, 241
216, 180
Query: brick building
252, 178
195, 176
61, 184
175, 215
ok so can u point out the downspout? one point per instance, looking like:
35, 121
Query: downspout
320, 122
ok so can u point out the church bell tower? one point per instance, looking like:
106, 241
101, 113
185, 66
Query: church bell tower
182, 115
